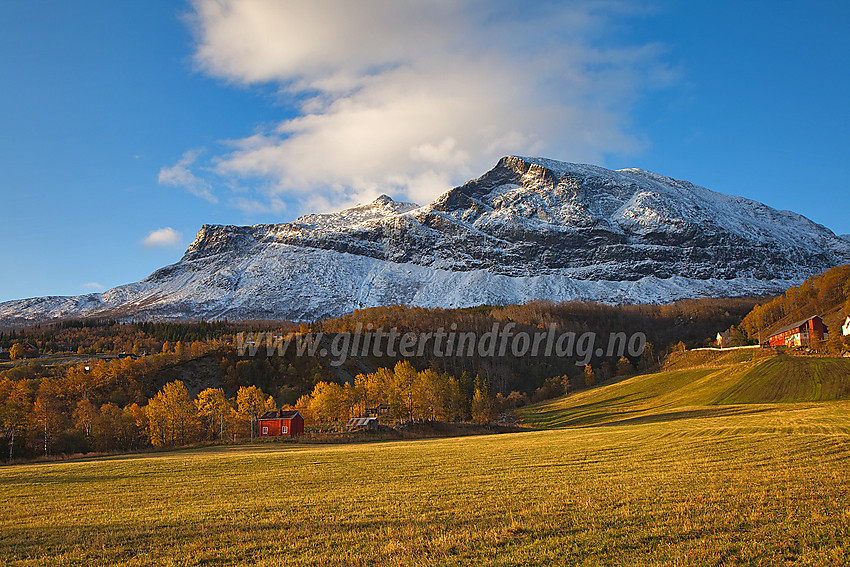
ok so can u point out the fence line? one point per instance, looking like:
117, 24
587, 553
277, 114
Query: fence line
727, 348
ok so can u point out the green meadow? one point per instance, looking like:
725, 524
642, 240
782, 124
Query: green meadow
659, 469
701, 383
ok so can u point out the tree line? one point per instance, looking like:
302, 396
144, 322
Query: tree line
425, 395
409, 395
42, 416
106, 336
107, 404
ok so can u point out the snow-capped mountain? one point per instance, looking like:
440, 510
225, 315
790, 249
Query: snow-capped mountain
530, 228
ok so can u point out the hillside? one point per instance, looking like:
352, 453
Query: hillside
204, 355
826, 295
703, 384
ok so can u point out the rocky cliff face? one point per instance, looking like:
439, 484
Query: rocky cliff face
530, 228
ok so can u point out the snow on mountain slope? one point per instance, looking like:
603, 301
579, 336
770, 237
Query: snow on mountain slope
530, 228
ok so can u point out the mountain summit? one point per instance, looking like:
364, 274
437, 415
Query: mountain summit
530, 228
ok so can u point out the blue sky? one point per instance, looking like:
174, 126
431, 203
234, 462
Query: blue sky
125, 126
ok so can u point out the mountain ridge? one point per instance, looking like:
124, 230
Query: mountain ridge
530, 228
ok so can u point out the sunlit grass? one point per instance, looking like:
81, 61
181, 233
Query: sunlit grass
652, 470
710, 389
766, 487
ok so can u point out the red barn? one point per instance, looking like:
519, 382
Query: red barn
281, 423
801, 333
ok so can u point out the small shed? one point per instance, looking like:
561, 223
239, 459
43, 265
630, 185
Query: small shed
282, 423
378, 411
846, 328
801, 333
363, 424
723, 340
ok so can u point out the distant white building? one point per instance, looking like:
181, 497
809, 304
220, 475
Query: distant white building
846, 328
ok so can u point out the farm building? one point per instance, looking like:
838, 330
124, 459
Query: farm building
801, 333
378, 411
723, 340
846, 328
281, 423
363, 424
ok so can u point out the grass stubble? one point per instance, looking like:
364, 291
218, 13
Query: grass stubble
760, 484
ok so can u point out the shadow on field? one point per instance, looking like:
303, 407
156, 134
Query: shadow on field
682, 414
591, 413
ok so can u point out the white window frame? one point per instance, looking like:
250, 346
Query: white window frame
265, 430
284, 430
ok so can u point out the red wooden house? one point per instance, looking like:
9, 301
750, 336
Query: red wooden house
801, 333
281, 423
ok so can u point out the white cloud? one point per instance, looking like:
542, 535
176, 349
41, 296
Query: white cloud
411, 98
180, 175
94, 286
253, 206
163, 237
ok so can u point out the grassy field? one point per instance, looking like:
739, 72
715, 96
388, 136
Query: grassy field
57, 359
637, 473
704, 383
